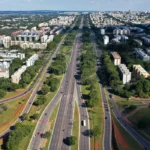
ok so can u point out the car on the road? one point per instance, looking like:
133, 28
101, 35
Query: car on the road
105, 117
83, 123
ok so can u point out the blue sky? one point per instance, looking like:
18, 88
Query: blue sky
75, 5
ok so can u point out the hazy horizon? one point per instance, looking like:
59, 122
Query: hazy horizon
71, 5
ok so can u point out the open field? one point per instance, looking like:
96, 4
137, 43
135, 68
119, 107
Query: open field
143, 114
75, 131
124, 140
96, 118
15, 93
123, 102
14, 108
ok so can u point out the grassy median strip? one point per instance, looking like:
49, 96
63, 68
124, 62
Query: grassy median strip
75, 130
51, 125
96, 117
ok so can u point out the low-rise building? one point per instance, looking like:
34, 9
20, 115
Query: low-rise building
4, 73
125, 73
116, 58
139, 71
12, 55
142, 55
102, 31
31, 60
16, 77
106, 40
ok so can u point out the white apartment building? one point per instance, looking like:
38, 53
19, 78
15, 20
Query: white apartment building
141, 54
4, 73
106, 40
16, 77
102, 31
12, 55
31, 45
31, 60
139, 71
4, 65
117, 58
121, 31
44, 24
146, 40
125, 73
44, 38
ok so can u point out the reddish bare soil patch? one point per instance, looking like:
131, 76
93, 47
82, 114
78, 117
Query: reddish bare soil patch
119, 137
97, 145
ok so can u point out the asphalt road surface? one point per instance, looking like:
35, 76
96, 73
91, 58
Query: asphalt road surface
41, 125
107, 138
63, 125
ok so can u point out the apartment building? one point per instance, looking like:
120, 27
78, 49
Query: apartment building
44, 38
12, 55
5, 41
121, 31
31, 60
31, 45
142, 55
4, 73
106, 40
125, 73
116, 58
16, 77
146, 40
139, 71
102, 31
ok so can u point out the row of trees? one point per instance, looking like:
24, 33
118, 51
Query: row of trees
30, 73
59, 65
87, 68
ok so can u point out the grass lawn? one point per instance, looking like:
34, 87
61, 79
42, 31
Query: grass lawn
141, 114
75, 131
14, 108
24, 143
96, 118
11, 94
52, 122
130, 142
123, 102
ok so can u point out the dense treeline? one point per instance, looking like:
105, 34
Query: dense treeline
20, 131
88, 69
30, 73
59, 65
110, 70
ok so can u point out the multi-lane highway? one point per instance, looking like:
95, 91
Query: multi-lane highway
107, 137
84, 139
39, 84
63, 125
40, 128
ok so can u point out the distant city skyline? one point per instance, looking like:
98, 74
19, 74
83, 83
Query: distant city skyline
85, 5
